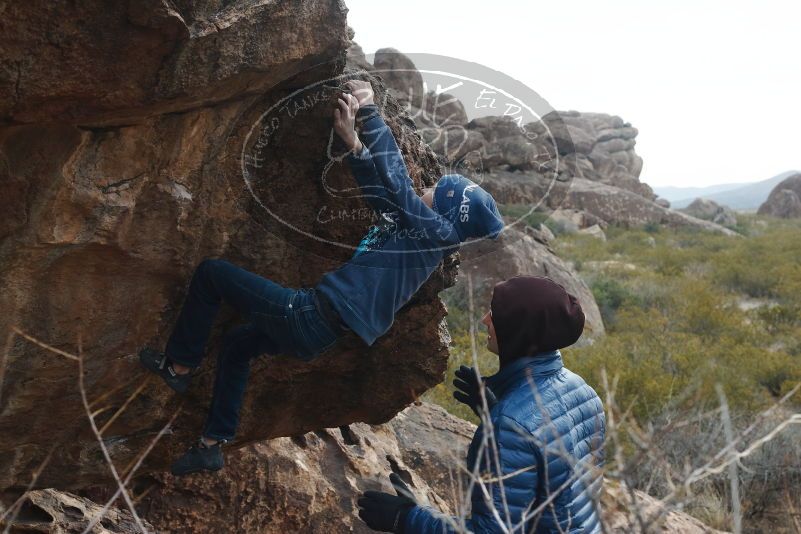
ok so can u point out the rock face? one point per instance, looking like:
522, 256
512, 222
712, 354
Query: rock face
311, 483
398, 72
101, 64
709, 210
60, 512
129, 155
785, 199
618, 506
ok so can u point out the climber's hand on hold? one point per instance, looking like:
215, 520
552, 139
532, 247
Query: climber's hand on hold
362, 90
344, 118
386, 512
468, 390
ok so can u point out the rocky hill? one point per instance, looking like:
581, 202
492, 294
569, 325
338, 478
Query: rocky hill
784, 200
737, 196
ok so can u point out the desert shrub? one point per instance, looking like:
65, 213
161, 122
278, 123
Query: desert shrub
533, 219
652, 227
610, 295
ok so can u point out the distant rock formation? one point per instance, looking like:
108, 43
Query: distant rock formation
594, 147
608, 144
595, 200
784, 200
572, 220
737, 196
397, 70
709, 210
627, 209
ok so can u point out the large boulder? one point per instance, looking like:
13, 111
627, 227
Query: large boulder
709, 210
594, 201
611, 150
622, 207
519, 252
94, 62
127, 158
400, 76
784, 200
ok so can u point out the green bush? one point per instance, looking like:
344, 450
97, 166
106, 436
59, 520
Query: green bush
516, 211
610, 294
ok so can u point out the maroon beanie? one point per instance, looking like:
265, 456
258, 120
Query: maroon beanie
533, 314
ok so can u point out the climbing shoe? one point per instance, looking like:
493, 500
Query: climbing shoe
159, 363
200, 457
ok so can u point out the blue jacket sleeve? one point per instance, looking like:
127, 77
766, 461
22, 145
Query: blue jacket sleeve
371, 186
510, 495
380, 167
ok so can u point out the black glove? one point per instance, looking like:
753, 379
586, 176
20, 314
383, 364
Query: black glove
386, 512
467, 389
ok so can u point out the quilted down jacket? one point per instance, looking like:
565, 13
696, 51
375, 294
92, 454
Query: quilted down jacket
548, 430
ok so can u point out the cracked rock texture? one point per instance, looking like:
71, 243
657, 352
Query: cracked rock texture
310, 483
124, 132
61, 512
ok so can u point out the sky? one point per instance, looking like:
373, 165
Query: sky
713, 87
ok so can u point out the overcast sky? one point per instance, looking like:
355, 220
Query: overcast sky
712, 86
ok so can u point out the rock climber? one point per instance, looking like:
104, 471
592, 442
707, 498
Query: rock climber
535, 460
389, 265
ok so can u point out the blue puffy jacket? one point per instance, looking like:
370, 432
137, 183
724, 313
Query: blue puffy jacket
549, 428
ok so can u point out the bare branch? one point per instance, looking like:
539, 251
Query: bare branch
44, 345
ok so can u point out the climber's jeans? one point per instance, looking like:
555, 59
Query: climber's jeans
282, 321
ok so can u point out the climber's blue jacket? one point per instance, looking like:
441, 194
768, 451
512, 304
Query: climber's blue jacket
399, 254
549, 429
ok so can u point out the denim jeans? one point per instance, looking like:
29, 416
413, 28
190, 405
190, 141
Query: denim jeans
282, 321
